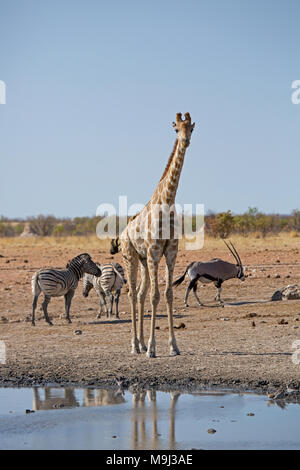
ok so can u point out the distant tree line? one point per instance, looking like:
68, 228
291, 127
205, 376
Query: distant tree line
217, 225
252, 222
48, 225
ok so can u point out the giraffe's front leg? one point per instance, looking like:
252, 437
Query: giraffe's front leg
153, 273
170, 255
151, 349
144, 285
131, 265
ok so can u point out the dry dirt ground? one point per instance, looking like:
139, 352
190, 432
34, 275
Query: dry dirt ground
241, 346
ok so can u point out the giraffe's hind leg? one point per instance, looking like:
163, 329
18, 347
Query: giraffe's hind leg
131, 266
141, 296
154, 296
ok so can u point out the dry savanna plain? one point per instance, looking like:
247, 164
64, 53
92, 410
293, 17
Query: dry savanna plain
247, 345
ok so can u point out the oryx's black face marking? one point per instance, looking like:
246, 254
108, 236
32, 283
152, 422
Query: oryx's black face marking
240, 274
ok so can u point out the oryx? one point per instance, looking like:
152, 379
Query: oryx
215, 270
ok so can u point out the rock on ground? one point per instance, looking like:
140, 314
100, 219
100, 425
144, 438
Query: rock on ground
291, 292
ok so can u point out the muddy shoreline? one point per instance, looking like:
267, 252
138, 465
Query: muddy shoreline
183, 385
187, 386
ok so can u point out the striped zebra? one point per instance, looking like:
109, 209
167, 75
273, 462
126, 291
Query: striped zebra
58, 282
111, 279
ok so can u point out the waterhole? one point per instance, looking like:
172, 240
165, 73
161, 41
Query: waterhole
77, 418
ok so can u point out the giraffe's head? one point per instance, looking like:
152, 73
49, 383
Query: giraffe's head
184, 128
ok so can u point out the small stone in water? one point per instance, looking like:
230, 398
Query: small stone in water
211, 431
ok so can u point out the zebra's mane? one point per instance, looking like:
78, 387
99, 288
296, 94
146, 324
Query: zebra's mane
75, 264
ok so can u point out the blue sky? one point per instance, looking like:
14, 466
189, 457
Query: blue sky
93, 87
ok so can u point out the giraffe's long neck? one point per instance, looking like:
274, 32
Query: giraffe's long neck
166, 190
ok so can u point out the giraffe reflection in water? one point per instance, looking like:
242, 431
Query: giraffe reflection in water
141, 439
53, 399
101, 397
144, 416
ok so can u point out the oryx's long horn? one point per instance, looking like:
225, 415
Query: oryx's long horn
232, 252
238, 256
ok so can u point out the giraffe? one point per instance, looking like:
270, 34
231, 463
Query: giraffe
140, 247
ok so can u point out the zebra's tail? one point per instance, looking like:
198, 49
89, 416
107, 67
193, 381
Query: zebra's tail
119, 274
35, 285
181, 279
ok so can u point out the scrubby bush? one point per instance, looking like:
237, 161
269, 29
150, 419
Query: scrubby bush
222, 225
42, 225
6, 230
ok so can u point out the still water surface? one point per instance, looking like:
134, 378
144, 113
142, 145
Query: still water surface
103, 419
